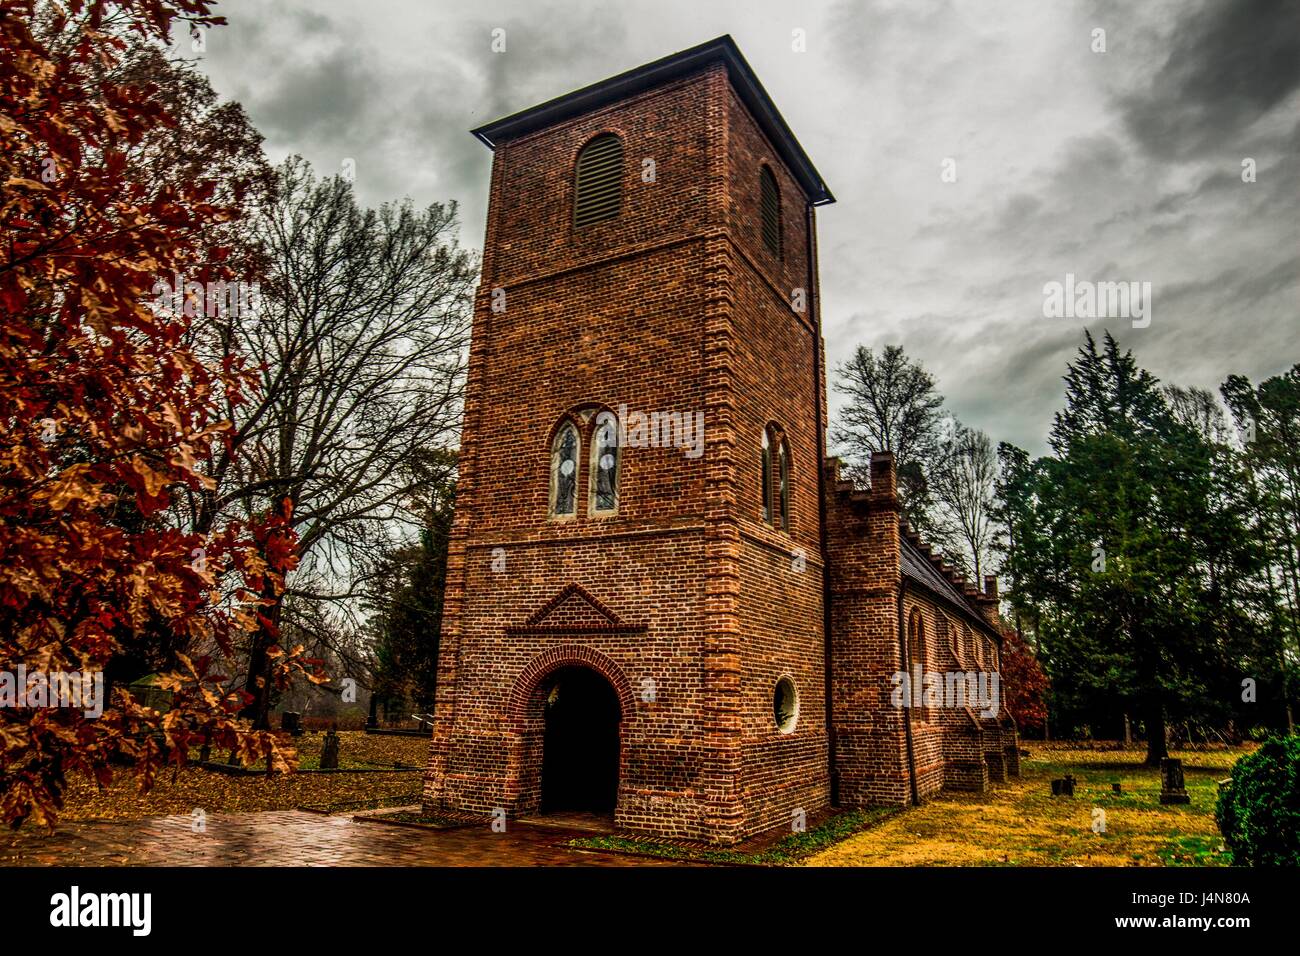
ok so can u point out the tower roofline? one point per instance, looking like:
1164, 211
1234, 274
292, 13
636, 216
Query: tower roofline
723, 50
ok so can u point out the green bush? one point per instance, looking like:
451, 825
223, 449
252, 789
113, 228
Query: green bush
1259, 811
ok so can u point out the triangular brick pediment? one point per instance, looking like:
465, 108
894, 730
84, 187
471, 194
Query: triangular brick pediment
574, 610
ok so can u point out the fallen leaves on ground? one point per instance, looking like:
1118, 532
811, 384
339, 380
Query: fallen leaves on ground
215, 792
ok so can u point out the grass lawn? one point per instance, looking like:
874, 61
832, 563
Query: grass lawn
182, 790
1021, 824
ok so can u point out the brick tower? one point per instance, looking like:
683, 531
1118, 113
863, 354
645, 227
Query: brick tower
634, 618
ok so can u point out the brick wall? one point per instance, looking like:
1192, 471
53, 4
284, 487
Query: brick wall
862, 547
877, 743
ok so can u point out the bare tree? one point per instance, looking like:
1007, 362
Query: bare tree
892, 406
361, 335
1199, 410
963, 481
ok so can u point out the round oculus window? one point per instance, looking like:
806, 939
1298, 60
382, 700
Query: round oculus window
785, 705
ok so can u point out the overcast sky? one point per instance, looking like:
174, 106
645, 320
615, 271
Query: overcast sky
1124, 165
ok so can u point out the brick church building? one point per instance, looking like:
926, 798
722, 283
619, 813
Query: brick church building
663, 603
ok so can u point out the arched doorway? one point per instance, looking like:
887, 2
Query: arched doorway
580, 748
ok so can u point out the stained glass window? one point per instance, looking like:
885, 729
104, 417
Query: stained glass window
564, 471
604, 463
767, 478
783, 473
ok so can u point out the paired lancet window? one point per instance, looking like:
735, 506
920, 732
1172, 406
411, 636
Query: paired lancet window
604, 465
601, 486
564, 471
775, 476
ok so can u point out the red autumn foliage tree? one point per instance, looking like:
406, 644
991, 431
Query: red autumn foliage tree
108, 413
1023, 682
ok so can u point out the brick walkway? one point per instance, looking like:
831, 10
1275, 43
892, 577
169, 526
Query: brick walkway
295, 838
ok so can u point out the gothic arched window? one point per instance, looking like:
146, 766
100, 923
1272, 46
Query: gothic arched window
598, 181
783, 484
775, 478
604, 465
916, 663
766, 478
564, 471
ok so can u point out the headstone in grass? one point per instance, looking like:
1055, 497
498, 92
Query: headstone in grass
329, 752
1116, 788
1173, 788
291, 722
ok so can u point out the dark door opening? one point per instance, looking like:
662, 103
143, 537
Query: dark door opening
580, 749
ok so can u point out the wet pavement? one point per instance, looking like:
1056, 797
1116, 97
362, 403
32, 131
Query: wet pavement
298, 838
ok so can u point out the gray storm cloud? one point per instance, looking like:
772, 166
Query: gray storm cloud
1123, 165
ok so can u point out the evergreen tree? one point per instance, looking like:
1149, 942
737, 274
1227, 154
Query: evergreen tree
1130, 548
1268, 420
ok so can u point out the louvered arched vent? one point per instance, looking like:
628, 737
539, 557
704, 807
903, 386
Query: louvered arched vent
770, 201
599, 189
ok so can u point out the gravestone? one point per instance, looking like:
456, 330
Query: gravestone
147, 693
1064, 786
1172, 785
1116, 788
291, 721
329, 752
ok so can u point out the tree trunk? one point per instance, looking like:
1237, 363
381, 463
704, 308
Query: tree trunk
258, 682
